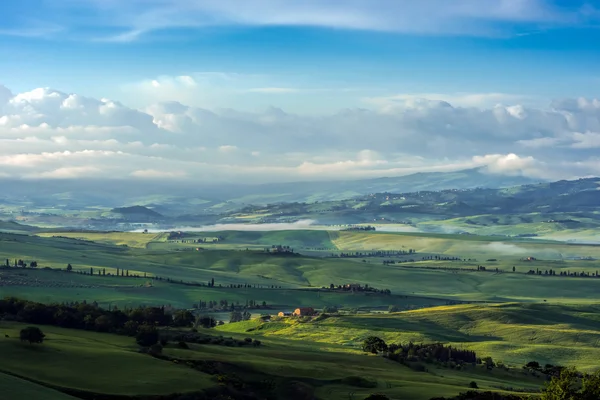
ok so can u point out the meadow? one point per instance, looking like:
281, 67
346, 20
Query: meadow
511, 333
514, 317
293, 366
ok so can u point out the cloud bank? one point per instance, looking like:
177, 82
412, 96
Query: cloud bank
46, 133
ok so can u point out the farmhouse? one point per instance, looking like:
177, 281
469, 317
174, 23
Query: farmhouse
284, 314
304, 311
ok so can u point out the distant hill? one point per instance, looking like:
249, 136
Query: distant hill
137, 212
339, 190
579, 196
14, 227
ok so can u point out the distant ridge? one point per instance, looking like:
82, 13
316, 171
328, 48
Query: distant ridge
136, 211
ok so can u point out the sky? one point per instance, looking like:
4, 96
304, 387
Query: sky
286, 90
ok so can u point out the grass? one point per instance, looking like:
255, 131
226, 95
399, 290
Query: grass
13, 388
297, 272
512, 333
130, 239
111, 364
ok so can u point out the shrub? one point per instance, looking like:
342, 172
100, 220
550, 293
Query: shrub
32, 334
248, 340
256, 343
147, 336
473, 385
374, 345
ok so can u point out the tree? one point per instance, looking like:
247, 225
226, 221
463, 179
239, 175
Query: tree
473, 385
488, 362
183, 318
374, 345
147, 335
330, 309
32, 334
69, 267
570, 386
206, 321
235, 316
393, 309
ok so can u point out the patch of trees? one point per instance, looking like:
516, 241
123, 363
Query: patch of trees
225, 305
89, 316
238, 316
413, 352
443, 258
355, 287
551, 272
360, 228
280, 250
378, 253
203, 338
548, 369
430, 353
392, 262
21, 264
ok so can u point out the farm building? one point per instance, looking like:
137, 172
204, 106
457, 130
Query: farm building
303, 311
284, 314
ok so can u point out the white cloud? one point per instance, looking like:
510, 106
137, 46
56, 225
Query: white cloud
46, 133
132, 19
480, 100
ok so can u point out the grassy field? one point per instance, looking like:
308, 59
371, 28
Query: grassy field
111, 363
421, 278
17, 389
113, 366
512, 333
130, 239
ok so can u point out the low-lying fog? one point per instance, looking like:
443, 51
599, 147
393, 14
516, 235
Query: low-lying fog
278, 226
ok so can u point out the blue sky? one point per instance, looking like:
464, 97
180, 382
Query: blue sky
99, 48
285, 89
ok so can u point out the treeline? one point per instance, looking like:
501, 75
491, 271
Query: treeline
551, 272
392, 262
356, 288
374, 253
412, 352
22, 264
359, 228
446, 258
225, 305
91, 317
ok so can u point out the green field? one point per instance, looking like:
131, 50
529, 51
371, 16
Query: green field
113, 366
512, 333
13, 388
453, 280
550, 319
106, 358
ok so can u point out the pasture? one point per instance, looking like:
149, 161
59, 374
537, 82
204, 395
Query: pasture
109, 360
512, 333
113, 366
432, 278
